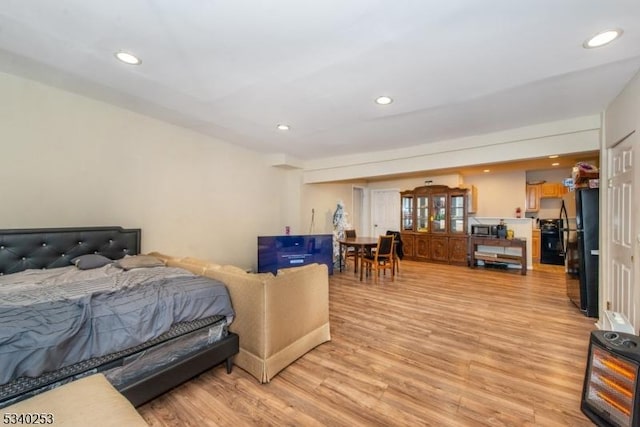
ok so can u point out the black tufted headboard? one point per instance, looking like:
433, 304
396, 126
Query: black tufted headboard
55, 247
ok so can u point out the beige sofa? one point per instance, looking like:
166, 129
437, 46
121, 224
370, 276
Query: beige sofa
278, 318
90, 401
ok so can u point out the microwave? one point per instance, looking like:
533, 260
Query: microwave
484, 229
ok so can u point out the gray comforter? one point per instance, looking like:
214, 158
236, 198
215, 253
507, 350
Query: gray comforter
51, 319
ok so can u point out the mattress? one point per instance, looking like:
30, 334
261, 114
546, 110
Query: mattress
128, 366
56, 318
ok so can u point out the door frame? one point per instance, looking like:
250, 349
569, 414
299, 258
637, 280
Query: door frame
360, 223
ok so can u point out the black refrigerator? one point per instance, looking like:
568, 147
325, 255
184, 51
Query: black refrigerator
580, 237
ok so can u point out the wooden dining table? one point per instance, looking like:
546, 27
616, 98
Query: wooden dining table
360, 244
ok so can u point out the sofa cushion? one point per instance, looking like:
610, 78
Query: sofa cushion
196, 261
160, 255
88, 401
233, 269
139, 261
195, 265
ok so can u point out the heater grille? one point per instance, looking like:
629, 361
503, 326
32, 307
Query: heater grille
610, 389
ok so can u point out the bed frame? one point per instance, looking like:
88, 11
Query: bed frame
22, 249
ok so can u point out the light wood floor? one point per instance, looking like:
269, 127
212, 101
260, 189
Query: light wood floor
441, 346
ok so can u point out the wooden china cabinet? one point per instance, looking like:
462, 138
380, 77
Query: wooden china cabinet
434, 224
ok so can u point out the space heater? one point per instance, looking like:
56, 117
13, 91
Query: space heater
610, 392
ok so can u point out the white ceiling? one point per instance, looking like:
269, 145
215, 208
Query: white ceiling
234, 69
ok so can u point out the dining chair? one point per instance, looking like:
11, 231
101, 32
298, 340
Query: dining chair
381, 259
350, 252
398, 252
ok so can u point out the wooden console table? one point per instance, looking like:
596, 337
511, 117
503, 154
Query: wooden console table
475, 241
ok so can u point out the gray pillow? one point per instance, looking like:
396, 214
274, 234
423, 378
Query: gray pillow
139, 261
89, 261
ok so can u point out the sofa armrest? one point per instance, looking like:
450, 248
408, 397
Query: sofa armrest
273, 312
247, 293
297, 303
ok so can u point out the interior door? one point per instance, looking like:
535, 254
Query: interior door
385, 211
622, 297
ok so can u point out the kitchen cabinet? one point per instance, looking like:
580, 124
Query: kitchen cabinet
532, 202
547, 190
535, 245
552, 190
434, 219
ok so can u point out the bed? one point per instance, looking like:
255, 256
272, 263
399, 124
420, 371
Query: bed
66, 313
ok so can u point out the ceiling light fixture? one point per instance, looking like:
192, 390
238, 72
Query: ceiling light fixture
602, 38
383, 100
486, 170
553, 156
283, 127
555, 164
128, 58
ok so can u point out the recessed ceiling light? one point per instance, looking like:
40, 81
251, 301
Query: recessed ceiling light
486, 170
128, 58
555, 164
384, 100
553, 156
603, 38
283, 127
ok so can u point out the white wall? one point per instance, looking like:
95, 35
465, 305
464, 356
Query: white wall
71, 161
623, 115
499, 194
549, 175
323, 200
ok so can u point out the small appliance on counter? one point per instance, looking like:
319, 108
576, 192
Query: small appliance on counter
501, 229
484, 230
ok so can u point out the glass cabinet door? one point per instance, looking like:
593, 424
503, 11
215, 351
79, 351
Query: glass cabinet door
457, 214
407, 213
439, 213
422, 213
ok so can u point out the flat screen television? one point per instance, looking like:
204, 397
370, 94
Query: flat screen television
275, 252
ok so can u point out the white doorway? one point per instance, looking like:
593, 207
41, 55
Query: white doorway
623, 171
357, 201
385, 211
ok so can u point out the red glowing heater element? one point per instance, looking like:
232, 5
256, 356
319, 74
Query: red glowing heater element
610, 392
